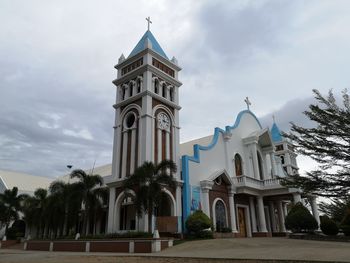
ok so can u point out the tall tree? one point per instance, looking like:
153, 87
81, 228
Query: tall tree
148, 181
328, 143
336, 209
10, 205
66, 198
34, 209
91, 194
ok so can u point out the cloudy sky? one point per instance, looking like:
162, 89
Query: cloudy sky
57, 58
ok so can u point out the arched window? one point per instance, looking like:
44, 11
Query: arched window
260, 166
156, 86
164, 90
138, 85
282, 159
238, 165
123, 93
131, 87
220, 216
171, 94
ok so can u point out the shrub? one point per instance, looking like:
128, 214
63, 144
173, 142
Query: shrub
16, 230
197, 222
205, 234
328, 226
299, 219
345, 223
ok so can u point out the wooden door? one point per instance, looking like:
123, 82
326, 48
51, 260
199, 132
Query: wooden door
241, 222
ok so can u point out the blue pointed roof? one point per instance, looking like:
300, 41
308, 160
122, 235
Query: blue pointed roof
141, 45
275, 133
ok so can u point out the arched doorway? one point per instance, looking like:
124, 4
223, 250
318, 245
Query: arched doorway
220, 215
166, 219
164, 208
125, 212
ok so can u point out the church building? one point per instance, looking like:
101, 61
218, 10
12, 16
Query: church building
232, 175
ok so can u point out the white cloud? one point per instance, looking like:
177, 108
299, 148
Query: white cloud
84, 134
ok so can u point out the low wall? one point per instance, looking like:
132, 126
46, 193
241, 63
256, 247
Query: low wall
8, 243
279, 234
118, 246
320, 237
261, 234
226, 235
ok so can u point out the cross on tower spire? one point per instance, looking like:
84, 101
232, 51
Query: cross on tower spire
247, 102
149, 22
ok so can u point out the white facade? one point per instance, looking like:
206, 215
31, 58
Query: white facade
237, 166
232, 175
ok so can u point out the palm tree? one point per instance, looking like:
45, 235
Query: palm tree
10, 205
91, 195
148, 181
35, 210
66, 198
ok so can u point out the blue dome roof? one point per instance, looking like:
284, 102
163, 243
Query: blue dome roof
141, 45
275, 133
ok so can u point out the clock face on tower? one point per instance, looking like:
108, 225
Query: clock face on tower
163, 121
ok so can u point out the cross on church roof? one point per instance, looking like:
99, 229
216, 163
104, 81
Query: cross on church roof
148, 22
247, 102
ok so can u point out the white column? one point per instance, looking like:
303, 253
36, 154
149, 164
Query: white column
272, 215
262, 221
255, 161
139, 160
228, 160
282, 227
252, 213
285, 209
232, 211
133, 146
146, 143
288, 162
116, 145
273, 164
296, 198
159, 135
167, 145
176, 143
161, 88
205, 200
167, 96
126, 89
179, 208
124, 153
111, 210
314, 208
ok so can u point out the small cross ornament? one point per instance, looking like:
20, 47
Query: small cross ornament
247, 102
149, 22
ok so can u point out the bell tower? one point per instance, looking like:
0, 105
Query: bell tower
146, 126
147, 106
146, 111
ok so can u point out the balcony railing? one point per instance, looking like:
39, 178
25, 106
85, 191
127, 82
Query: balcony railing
246, 181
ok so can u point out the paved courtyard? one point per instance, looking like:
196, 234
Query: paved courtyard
263, 248
217, 250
